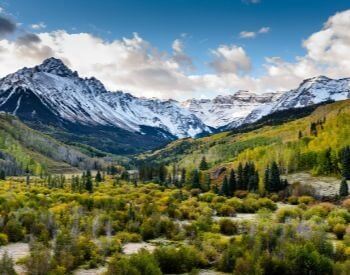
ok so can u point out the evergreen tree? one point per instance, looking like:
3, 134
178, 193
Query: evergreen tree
240, 177
267, 179
27, 176
162, 174
232, 183
88, 181
345, 162
195, 180
208, 182
203, 164
2, 175
275, 180
183, 177
344, 188
253, 184
98, 177
225, 187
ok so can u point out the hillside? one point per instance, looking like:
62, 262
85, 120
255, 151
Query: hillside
23, 147
299, 145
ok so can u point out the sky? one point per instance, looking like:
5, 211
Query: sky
181, 48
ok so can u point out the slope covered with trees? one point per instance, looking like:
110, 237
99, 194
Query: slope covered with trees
23, 148
317, 143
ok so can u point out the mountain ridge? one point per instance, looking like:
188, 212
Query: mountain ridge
53, 98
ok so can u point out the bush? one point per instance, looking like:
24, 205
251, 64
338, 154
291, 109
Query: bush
288, 213
143, 263
184, 259
3, 239
226, 210
227, 227
339, 230
6, 265
293, 200
305, 200
14, 231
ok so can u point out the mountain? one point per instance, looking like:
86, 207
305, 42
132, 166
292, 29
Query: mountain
304, 144
57, 101
52, 98
22, 147
226, 110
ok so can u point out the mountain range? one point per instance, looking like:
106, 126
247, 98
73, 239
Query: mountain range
57, 101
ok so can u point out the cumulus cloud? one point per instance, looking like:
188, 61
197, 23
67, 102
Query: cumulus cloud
133, 64
38, 26
6, 26
179, 55
253, 34
230, 59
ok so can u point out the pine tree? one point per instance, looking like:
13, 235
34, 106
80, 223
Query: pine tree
345, 162
208, 182
232, 183
2, 175
98, 177
240, 177
203, 164
275, 180
27, 176
195, 181
267, 179
253, 184
183, 178
225, 187
344, 188
88, 182
162, 173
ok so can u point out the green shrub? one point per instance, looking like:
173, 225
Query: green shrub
3, 239
227, 227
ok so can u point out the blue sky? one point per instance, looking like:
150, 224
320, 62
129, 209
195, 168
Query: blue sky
207, 23
201, 25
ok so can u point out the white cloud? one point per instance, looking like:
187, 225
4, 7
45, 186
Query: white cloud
264, 30
133, 64
246, 34
230, 59
2, 9
38, 26
253, 34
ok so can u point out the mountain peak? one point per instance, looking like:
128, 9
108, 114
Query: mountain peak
55, 66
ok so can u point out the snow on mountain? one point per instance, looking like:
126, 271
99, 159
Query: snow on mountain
86, 101
53, 92
230, 109
312, 91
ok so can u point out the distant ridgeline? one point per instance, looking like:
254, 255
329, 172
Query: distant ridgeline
317, 143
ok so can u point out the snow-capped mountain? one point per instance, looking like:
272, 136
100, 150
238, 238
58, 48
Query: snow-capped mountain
52, 89
230, 109
51, 94
312, 91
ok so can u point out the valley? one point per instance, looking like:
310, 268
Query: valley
100, 182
